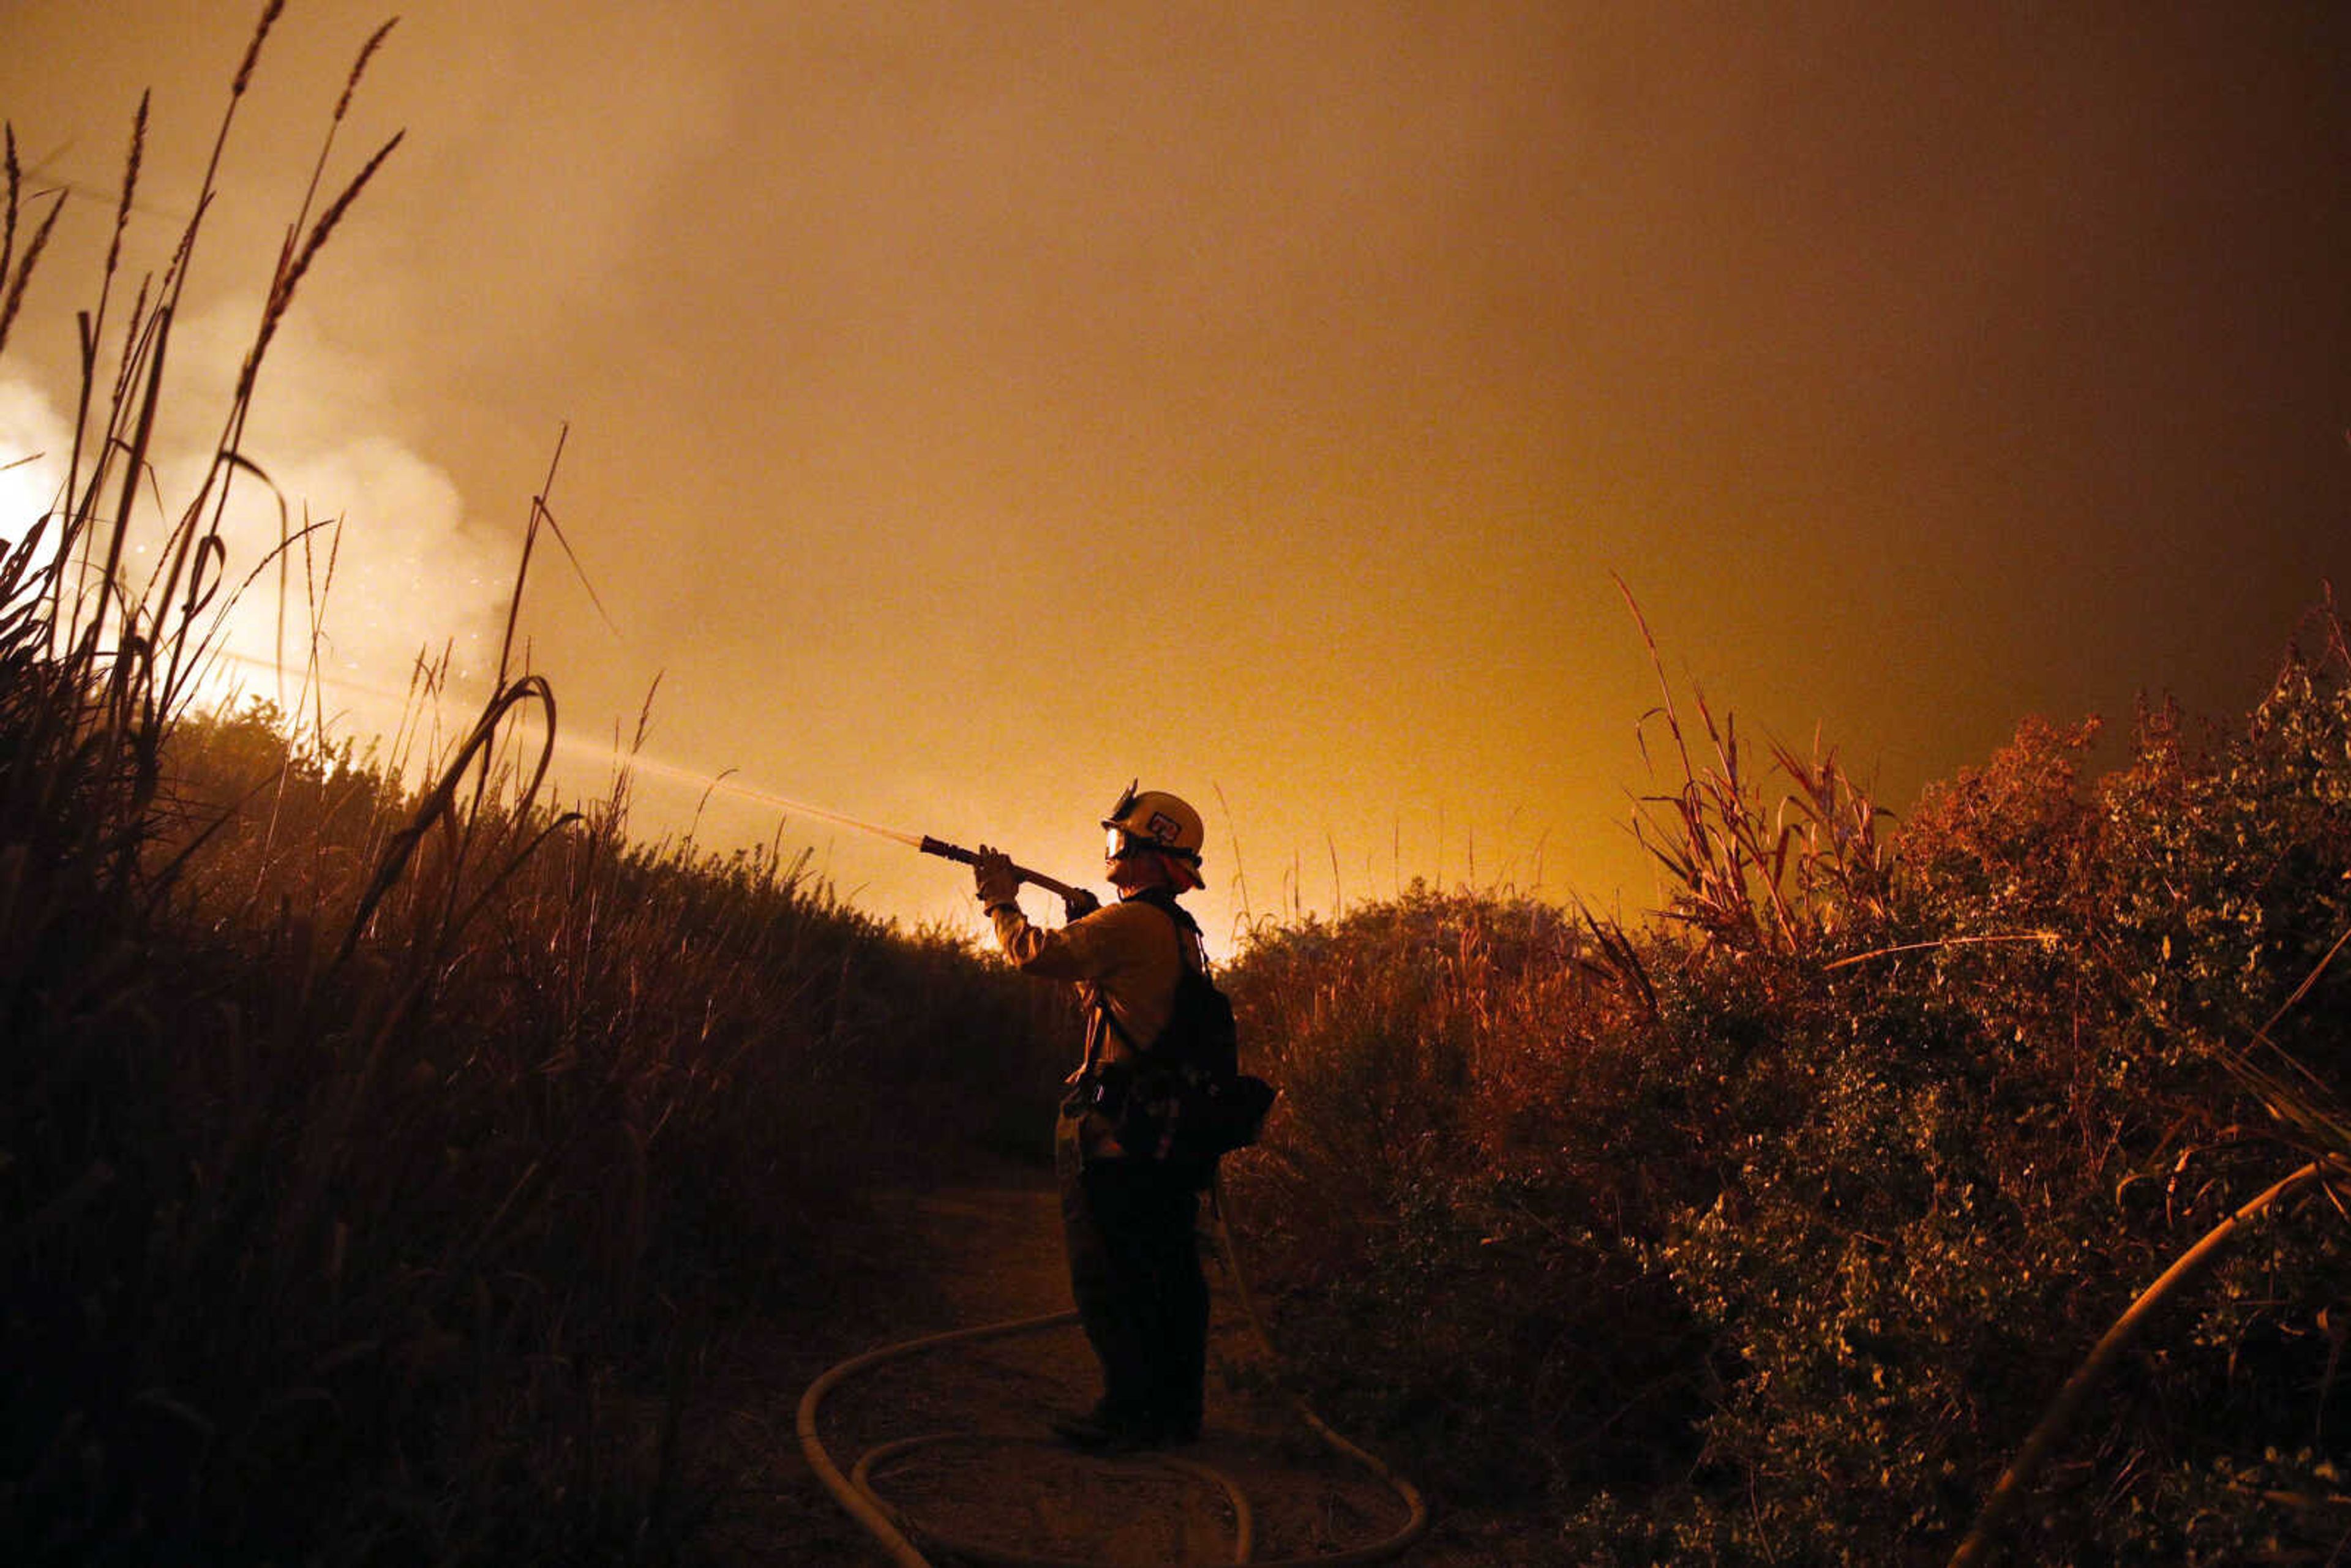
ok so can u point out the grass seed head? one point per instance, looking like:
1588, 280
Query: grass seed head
359, 67
269, 14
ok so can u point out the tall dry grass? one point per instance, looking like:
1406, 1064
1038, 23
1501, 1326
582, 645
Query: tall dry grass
1441, 1208
379, 1158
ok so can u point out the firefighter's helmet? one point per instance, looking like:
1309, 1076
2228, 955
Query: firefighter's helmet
1155, 819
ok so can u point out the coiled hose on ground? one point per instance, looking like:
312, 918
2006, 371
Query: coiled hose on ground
855, 1493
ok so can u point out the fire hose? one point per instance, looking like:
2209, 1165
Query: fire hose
895, 1531
931, 846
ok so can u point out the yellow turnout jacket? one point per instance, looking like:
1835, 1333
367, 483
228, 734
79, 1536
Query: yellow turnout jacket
1127, 953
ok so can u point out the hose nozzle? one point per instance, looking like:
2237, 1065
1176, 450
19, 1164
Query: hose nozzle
944, 851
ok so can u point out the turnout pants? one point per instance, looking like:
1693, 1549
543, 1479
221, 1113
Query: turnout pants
1134, 1269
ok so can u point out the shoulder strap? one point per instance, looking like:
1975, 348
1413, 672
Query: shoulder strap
1110, 1022
1191, 949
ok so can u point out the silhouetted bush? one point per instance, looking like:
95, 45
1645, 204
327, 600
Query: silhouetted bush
1766, 1232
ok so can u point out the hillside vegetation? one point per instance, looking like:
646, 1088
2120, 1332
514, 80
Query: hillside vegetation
1766, 1233
381, 1147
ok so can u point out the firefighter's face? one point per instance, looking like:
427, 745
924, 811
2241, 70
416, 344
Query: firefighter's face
1131, 867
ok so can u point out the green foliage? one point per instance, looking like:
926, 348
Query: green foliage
2236, 885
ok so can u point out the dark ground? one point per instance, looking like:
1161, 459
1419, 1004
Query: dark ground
988, 1251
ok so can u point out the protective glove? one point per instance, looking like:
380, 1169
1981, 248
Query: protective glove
993, 878
1078, 906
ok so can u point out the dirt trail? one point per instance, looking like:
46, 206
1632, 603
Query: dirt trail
989, 1252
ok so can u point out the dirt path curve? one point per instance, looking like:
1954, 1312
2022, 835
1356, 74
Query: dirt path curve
986, 1251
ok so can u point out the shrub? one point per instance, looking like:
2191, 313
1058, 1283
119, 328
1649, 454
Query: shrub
1849, 1160
1455, 1243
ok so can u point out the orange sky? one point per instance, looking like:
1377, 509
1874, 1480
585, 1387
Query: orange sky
973, 406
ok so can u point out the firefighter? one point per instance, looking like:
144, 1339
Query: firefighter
1127, 1218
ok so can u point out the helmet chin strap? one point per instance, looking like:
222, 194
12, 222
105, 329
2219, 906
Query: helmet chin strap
1152, 867
1167, 871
